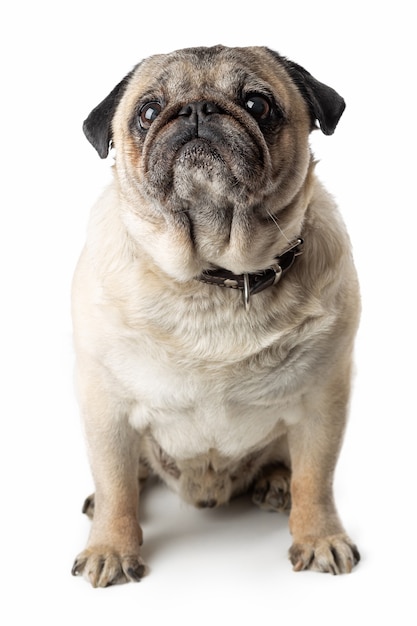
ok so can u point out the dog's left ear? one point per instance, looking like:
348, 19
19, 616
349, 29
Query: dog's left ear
98, 125
324, 103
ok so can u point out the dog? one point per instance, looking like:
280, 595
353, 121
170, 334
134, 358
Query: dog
215, 303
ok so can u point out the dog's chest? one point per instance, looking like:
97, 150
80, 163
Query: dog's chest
215, 385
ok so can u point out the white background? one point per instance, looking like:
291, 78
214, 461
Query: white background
58, 60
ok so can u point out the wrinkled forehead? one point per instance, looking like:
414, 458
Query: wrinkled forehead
203, 72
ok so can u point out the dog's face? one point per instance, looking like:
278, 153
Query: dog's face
211, 151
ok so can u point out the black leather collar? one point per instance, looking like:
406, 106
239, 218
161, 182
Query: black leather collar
251, 284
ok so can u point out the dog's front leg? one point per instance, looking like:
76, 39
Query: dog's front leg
113, 551
320, 542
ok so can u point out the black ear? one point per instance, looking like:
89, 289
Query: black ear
324, 103
98, 125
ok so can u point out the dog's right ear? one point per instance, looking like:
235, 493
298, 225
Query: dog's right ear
98, 125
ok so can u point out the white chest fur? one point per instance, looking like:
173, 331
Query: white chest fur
216, 384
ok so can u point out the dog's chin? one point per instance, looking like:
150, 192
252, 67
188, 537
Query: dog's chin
200, 174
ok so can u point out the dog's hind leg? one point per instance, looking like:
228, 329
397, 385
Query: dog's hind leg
271, 490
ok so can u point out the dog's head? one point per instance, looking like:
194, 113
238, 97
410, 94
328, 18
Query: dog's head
212, 154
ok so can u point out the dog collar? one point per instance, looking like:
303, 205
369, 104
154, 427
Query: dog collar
251, 284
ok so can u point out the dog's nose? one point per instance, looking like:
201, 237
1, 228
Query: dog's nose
199, 110
207, 504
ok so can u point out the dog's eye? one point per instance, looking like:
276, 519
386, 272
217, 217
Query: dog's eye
148, 113
258, 106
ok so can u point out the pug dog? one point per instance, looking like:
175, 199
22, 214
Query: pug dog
215, 303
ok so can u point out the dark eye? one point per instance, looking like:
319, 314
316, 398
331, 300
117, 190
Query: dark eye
258, 106
148, 113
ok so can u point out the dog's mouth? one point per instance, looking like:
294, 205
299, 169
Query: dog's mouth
199, 153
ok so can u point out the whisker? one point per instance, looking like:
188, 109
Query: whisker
276, 222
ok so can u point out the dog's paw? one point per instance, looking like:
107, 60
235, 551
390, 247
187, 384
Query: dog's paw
272, 491
335, 554
104, 567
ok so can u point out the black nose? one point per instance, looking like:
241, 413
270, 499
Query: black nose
199, 110
207, 504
